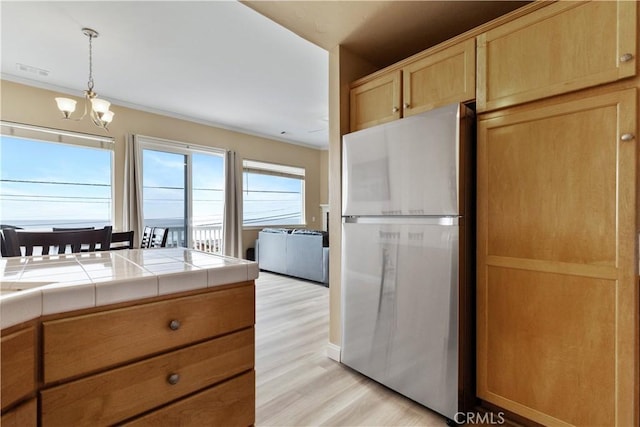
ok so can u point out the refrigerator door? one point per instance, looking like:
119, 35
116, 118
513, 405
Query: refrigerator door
400, 306
406, 167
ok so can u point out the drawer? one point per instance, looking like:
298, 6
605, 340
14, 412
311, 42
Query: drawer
18, 365
82, 344
229, 404
124, 392
25, 415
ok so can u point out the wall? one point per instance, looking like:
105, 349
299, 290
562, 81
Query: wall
35, 106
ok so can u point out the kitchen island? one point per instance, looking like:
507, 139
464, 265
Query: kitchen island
131, 337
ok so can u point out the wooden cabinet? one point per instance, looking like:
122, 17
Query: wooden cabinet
435, 78
111, 366
18, 366
441, 78
25, 415
557, 293
560, 48
377, 101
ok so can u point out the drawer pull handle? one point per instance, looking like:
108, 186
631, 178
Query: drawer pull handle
626, 57
627, 137
173, 379
174, 325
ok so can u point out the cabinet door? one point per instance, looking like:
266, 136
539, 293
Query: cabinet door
18, 367
442, 78
557, 296
375, 102
556, 49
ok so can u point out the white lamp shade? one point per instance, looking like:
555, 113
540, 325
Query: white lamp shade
66, 105
107, 117
100, 106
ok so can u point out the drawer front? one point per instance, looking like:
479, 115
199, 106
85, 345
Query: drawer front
112, 337
18, 365
229, 404
122, 393
25, 415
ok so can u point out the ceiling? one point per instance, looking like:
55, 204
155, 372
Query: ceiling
220, 62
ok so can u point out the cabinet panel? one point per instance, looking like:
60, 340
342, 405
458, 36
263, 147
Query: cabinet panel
25, 415
116, 336
121, 393
439, 79
229, 404
557, 298
376, 102
18, 367
556, 49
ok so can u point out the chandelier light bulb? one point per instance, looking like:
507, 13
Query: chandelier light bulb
107, 116
66, 105
100, 106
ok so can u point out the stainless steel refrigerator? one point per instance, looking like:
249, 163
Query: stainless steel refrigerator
407, 249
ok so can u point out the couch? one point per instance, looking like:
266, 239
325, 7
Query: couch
299, 253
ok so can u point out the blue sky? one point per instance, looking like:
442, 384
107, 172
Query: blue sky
72, 183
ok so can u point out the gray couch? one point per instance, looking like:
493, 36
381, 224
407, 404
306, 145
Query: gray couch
298, 253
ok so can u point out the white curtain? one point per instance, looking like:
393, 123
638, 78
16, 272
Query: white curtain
232, 227
132, 210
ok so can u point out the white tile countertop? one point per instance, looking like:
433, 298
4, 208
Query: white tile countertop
40, 285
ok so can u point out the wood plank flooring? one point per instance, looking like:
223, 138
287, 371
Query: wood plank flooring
297, 384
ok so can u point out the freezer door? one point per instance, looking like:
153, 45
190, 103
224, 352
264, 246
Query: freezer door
400, 309
406, 167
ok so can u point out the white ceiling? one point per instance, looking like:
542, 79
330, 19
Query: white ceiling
215, 62
221, 62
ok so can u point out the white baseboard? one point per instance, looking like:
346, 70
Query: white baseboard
333, 351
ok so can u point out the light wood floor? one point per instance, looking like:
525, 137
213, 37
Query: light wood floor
297, 384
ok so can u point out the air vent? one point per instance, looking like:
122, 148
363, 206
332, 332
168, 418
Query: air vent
32, 70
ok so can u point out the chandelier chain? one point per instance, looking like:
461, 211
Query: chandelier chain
90, 64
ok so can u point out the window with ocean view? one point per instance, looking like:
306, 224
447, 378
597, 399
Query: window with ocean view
46, 184
272, 194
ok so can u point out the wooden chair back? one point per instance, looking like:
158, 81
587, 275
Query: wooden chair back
122, 240
75, 240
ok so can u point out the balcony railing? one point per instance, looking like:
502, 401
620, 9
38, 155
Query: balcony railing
204, 238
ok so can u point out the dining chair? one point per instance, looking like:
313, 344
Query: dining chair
74, 240
146, 237
159, 237
121, 240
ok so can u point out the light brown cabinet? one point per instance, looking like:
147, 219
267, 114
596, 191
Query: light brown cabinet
441, 78
557, 294
559, 48
433, 79
377, 101
183, 359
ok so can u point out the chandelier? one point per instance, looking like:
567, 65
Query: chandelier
98, 109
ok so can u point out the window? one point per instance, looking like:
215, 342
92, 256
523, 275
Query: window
52, 178
272, 194
183, 190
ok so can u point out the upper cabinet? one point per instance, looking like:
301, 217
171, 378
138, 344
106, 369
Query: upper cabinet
557, 49
439, 79
375, 102
424, 82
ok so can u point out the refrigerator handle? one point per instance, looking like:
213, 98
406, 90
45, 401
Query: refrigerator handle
385, 256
